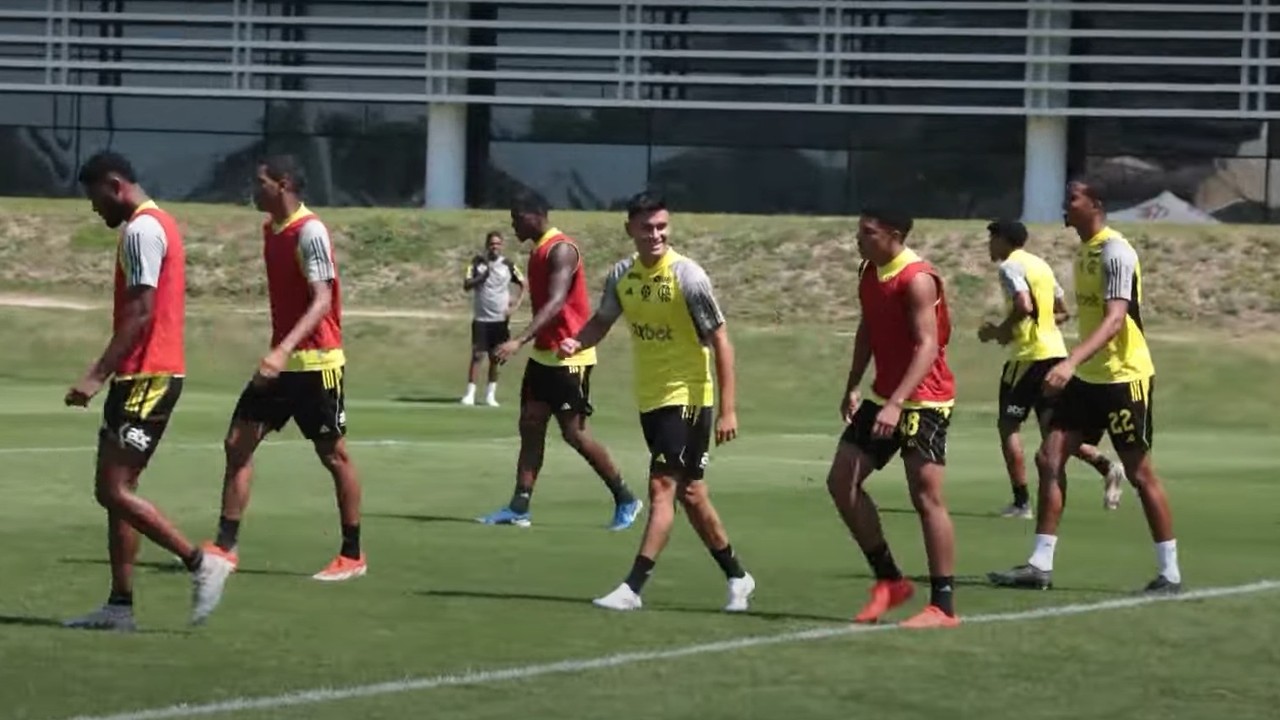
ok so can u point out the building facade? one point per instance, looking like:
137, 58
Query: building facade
951, 108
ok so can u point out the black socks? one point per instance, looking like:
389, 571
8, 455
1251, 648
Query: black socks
728, 562
350, 542
640, 571
228, 533
882, 563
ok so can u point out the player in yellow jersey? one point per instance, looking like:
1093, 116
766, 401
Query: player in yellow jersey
1104, 384
676, 327
1030, 331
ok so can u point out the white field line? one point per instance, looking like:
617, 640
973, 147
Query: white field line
487, 677
485, 444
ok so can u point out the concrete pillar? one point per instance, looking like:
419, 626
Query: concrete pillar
446, 171
1044, 175
446, 179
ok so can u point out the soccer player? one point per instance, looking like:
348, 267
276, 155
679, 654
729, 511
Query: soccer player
904, 327
675, 325
489, 279
1030, 330
553, 385
1105, 384
145, 364
303, 375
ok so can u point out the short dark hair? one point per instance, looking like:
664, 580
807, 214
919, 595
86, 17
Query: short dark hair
894, 219
97, 168
1091, 187
645, 203
528, 202
285, 167
1011, 231
491, 235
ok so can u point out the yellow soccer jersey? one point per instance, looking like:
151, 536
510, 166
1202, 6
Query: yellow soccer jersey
671, 311
1036, 337
1107, 269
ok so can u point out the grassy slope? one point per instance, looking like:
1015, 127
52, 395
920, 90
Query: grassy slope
769, 269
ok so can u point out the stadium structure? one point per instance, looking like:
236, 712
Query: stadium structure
800, 106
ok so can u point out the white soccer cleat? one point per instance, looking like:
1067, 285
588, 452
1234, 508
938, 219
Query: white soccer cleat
1018, 511
207, 584
1113, 486
468, 400
740, 590
622, 598
107, 617
491, 402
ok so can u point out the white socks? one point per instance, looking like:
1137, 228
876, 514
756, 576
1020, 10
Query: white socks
471, 392
1042, 556
1167, 560
491, 392
1166, 557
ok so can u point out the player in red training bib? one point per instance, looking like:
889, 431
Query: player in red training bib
145, 364
552, 385
904, 329
303, 376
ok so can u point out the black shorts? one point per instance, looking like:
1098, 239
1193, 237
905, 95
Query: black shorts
487, 336
923, 430
679, 438
1022, 388
137, 411
567, 389
1122, 410
314, 399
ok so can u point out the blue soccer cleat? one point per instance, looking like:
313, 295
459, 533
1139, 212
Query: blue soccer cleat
624, 515
506, 516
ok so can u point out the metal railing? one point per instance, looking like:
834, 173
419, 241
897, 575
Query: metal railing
895, 56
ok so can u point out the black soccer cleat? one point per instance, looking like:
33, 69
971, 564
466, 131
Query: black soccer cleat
1026, 577
1162, 586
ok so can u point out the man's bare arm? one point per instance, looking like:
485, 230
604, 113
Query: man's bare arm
321, 301
922, 301
726, 375
1023, 308
563, 260
1060, 312
139, 308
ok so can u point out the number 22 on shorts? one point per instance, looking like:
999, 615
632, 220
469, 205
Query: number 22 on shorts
1120, 421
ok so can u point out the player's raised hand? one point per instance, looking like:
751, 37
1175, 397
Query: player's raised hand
849, 405
987, 332
568, 348
726, 428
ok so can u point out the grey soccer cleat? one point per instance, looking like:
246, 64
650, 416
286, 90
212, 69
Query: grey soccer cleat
1027, 577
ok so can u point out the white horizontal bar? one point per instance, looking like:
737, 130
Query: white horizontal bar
1232, 60
664, 28
544, 101
880, 6
805, 81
